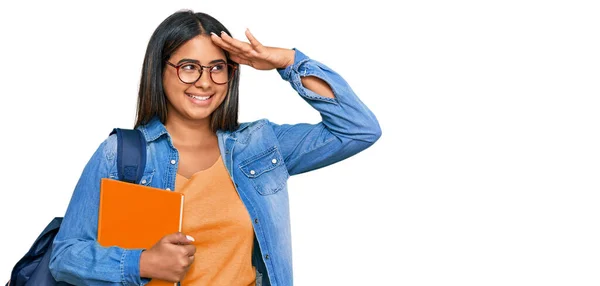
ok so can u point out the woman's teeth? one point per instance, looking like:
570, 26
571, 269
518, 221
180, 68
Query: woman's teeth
199, 97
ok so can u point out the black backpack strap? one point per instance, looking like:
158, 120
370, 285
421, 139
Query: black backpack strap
131, 154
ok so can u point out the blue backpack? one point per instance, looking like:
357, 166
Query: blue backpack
33, 269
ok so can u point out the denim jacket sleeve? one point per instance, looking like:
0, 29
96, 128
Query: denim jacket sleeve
347, 125
77, 258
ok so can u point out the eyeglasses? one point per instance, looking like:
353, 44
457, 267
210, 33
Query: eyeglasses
189, 72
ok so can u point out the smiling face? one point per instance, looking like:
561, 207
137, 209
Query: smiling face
194, 101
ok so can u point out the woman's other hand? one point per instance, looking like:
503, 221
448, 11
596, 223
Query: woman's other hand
169, 259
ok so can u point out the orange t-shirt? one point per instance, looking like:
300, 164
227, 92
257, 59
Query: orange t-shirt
214, 215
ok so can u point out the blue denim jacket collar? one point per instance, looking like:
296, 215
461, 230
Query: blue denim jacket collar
154, 129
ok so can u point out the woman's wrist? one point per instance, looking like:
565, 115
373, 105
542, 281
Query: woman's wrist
144, 265
288, 56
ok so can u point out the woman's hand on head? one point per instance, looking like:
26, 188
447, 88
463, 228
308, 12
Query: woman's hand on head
254, 54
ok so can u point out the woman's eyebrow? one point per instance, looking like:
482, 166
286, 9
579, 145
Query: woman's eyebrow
186, 60
216, 61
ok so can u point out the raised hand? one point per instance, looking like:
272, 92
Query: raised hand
254, 54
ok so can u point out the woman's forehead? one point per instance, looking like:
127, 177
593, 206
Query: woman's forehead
200, 48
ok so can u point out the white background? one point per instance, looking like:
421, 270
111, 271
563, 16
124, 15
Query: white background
487, 172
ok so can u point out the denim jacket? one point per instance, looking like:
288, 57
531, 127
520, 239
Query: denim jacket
260, 156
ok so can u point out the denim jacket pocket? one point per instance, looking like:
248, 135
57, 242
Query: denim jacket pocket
266, 171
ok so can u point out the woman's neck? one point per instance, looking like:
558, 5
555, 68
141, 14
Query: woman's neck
188, 133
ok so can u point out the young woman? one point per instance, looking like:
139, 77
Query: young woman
236, 229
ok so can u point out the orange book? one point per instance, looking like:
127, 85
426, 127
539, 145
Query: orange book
136, 216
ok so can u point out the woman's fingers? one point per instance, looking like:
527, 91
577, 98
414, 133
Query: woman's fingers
253, 54
238, 47
254, 42
234, 55
236, 44
221, 43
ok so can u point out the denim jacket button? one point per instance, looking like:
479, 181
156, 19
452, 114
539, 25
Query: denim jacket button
173, 162
255, 220
252, 172
168, 189
274, 161
143, 181
267, 256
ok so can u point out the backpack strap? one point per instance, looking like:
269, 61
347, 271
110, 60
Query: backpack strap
33, 268
131, 154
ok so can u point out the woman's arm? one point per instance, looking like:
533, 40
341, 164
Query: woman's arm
347, 126
77, 258
317, 86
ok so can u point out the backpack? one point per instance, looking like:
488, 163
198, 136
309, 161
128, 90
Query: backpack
33, 268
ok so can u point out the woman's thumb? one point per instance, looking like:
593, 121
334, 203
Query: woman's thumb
180, 238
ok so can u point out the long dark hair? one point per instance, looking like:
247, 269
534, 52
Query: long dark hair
173, 32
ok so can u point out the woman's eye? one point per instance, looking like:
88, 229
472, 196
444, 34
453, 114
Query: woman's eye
189, 67
217, 68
